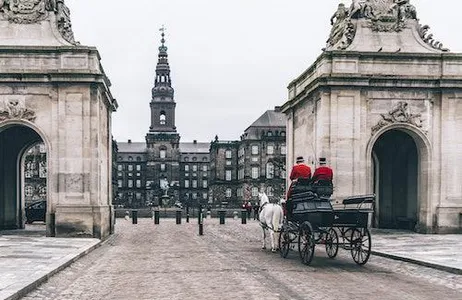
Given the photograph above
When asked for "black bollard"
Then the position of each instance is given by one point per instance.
(134, 216)
(178, 216)
(222, 214)
(156, 216)
(244, 216)
(187, 214)
(200, 220)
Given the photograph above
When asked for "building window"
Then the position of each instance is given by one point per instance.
(138, 174)
(119, 183)
(270, 149)
(119, 167)
(194, 184)
(194, 195)
(283, 149)
(138, 196)
(130, 168)
(119, 174)
(270, 133)
(204, 168)
(162, 118)
(186, 183)
(255, 150)
(29, 191)
(186, 158)
(130, 183)
(228, 154)
(204, 196)
(194, 168)
(283, 174)
(228, 163)
(163, 153)
(186, 168)
(228, 175)
(138, 167)
(162, 167)
(269, 170)
(138, 158)
(283, 133)
(269, 191)
(228, 193)
(204, 184)
(255, 172)
(138, 183)
(130, 158)
(255, 159)
(254, 192)
(194, 158)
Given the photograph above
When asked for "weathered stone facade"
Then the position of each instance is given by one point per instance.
(383, 103)
(56, 92)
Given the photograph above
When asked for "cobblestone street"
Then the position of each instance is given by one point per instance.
(169, 261)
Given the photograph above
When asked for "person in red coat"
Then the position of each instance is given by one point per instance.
(300, 170)
(323, 172)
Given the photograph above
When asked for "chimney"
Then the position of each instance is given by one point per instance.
(195, 142)
(277, 109)
(129, 141)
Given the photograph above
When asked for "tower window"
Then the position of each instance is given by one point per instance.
(162, 118)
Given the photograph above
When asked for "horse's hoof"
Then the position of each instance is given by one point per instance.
(274, 250)
(263, 248)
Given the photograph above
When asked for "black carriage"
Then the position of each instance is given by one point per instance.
(311, 219)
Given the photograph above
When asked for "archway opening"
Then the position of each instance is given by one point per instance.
(396, 180)
(15, 143)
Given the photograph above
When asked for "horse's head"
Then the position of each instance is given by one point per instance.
(263, 198)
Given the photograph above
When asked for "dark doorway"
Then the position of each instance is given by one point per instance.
(15, 140)
(396, 168)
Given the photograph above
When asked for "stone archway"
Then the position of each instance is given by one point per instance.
(399, 164)
(15, 140)
(396, 180)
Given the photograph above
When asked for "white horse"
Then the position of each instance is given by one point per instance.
(271, 218)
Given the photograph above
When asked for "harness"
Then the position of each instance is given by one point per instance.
(263, 225)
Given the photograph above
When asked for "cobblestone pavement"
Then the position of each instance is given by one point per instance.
(169, 261)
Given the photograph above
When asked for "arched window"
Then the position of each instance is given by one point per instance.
(269, 170)
(162, 118)
(162, 152)
(270, 133)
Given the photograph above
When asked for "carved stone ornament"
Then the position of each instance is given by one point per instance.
(34, 11)
(14, 109)
(383, 16)
(399, 114)
(428, 38)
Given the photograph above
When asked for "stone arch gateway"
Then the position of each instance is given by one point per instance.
(382, 74)
(53, 89)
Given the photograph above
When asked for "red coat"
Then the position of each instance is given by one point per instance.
(300, 171)
(323, 173)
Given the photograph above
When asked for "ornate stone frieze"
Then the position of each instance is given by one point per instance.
(14, 109)
(399, 114)
(34, 11)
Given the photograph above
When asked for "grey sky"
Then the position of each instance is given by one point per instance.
(231, 60)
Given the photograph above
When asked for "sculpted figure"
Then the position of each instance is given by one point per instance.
(405, 10)
(51, 5)
(361, 9)
(337, 21)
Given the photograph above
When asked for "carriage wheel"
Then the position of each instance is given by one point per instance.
(284, 242)
(306, 243)
(360, 245)
(331, 243)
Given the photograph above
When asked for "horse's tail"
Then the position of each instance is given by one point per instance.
(277, 217)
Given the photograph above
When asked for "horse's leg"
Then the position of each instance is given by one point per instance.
(264, 238)
(273, 248)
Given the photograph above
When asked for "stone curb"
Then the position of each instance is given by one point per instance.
(29, 288)
(419, 262)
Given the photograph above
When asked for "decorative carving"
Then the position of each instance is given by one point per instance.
(16, 110)
(339, 23)
(64, 21)
(34, 11)
(400, 114)
(423, 30)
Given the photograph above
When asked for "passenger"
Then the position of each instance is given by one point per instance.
(299, 170)
(323, 172)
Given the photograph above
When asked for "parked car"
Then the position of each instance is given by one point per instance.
(179, 205)
(36, 211)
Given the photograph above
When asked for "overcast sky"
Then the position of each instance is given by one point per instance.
(231, 60)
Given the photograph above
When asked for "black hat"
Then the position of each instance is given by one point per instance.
(322, 160)
(300, 159)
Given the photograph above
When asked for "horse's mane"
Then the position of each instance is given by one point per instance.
(264, 198)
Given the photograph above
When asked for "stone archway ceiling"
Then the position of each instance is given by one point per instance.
(380, 26)
(29, 12)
